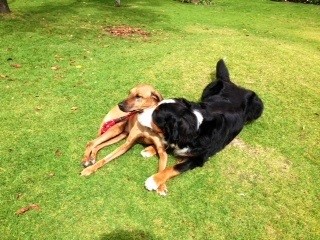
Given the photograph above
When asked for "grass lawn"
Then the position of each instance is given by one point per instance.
(61, 71)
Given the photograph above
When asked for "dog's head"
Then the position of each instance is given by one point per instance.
(140, 97)
(177, 121)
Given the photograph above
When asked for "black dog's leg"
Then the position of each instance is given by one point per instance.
(153, 182)
(189, 164)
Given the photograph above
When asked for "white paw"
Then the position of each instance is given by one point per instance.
(86, 164)
(162, 192)
(145, 154)
(151, 184)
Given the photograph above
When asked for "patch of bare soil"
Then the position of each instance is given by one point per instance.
(126, 31)
(274, 160)
(237, 142)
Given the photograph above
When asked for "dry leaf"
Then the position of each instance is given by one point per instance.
(28, 208)
(16, 65)
(58, 153)
(55, 67)
(126, 31)
(19, 196)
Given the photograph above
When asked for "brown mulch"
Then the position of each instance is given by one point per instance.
(126, 31)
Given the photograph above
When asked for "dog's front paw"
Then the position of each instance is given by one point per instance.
(87, 171)
(146, 154)
(89, 162)
(162, 190)
(151, 184)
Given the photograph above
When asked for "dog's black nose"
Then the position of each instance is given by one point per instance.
(121, 105)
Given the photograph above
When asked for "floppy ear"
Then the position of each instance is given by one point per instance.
(171, 129)
(175, 131)
(157, 96)
(187, 127)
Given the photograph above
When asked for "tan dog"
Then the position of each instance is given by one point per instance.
(141, 98)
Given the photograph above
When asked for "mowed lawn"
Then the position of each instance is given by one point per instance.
(62, 69)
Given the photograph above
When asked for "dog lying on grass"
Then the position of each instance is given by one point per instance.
(195, 131)
(140, 100)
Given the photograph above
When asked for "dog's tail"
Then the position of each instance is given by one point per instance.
(222, 72)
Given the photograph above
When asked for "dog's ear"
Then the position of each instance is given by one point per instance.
(167, 122)
(175, 131)
(170, 126)
(157, 96)
(187, 126)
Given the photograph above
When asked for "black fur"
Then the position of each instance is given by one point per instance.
(225, 107)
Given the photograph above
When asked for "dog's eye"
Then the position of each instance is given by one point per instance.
(138, 97)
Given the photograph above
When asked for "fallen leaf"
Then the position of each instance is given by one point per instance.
(22, 210)
(38, 109)
(35, 206)
(28, 208)
(55, 67)
(58, 58)
(126, 31)
(58, 153)
(19, 196)
(16, 65)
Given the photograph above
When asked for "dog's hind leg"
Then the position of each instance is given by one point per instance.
(151, 150)
(116, 153)
(116, 139)
(148, 151)
(110, 134)
(160, 178)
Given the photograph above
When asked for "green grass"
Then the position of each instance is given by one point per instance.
(266, 186)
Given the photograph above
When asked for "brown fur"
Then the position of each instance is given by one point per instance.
(139, 98)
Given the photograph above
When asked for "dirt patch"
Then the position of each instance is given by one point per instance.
(237, 142)
(273, 159)
(126, 31)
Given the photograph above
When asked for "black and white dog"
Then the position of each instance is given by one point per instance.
(198, 130)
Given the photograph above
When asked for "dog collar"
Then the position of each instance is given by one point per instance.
(105, 127)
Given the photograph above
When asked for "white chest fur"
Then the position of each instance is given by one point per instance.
(145, 118)
(199, 117)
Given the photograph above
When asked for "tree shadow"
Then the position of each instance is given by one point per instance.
(131, 12)
(129, 235)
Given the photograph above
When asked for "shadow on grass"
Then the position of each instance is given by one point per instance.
(129, 235)
(72, 14)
